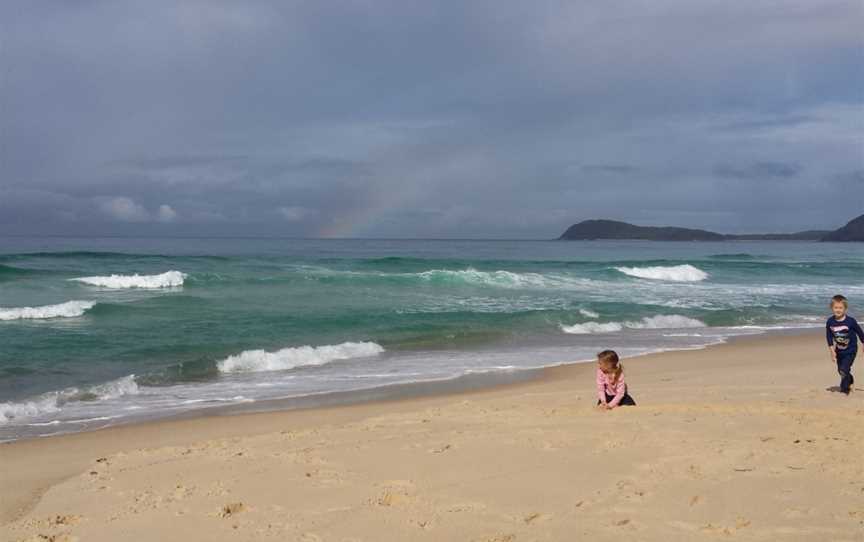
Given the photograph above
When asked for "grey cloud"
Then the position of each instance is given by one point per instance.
(609, 168)
(759, 171)
(853, 177)
(419, 119)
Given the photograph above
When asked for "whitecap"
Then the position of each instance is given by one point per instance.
(69, 309)
(592, 327)
(675, 273)
(169, 279)
(301, 356)
(672, 321)
(662, 321)
(500, 278)
(54, 401)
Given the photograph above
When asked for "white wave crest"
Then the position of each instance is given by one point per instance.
(52, 402)
(589, 328)
(169, 279)
(588, 313)
(115, 388)
(500, 278)
(28, 409)
(671, 321)
(302, 356)
(69, 309)
(675, 273)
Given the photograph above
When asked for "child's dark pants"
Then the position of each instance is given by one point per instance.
(625, 401)
(844, 367)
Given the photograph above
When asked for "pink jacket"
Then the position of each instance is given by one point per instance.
(606, 387)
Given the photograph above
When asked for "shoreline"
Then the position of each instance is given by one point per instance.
(78, 448)
(466, 382)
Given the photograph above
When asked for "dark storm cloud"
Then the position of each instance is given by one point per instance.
(501, 119)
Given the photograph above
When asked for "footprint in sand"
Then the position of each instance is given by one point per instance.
(466, 507)
(716, 529)
(394, 493)
(181, 492)
(62, 520)
(536, 517)
(232, 509)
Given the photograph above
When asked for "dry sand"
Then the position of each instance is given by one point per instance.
(739, 441)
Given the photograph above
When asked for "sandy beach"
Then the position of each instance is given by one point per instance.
(739, 441)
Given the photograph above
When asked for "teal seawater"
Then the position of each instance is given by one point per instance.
(374, 312)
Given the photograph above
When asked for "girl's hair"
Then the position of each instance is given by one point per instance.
(609, 363)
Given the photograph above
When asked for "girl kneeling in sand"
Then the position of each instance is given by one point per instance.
(611, 388)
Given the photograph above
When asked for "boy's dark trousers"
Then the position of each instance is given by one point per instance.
(844, 367)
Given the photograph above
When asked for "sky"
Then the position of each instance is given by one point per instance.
(434, 118)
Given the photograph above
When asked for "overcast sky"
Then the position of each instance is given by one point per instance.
(436, 118)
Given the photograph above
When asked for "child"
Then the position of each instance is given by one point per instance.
(842, 332)
(611, 388)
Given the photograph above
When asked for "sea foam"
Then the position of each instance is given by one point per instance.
(301, 356)
(592, 327)
(671, 321)
(169, 279)
(52, 402)
(675, 273)
(69, 309)
(471, 276)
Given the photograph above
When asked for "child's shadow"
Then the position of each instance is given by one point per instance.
(836, 389)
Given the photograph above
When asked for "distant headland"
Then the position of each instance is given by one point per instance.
(612, 229)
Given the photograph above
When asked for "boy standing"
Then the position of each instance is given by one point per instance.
(842, 332)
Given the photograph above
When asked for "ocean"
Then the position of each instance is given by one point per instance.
(96, 332)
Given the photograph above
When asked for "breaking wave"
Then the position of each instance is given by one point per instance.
(675, 273)
(52, 402)
(301, 356)
(169, 279)
(506, 279)
(592, 327)
(671, 321)
(69, 309)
